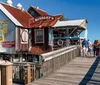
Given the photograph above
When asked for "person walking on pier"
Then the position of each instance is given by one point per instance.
(85, 46)
(89, 47)
(95, 44)
(98, 49)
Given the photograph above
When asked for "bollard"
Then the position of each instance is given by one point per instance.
(6, 73)
(27, 74)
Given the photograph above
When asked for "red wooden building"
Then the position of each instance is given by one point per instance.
(50, 32)
(17, 29)
(37, 32)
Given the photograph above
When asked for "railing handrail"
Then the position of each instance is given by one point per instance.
(47, 55)
(23, 63)
(56, 51)
(59, 54)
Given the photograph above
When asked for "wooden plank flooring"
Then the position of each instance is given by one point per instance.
(73, 73)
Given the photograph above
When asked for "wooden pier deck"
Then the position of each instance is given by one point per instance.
(80, 71)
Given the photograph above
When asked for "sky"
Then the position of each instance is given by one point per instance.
(71, 9)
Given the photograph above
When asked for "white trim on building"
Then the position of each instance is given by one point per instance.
(14, 20)
(16, 39)
(69, 23)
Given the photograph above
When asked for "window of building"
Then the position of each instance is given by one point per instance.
(39, 35)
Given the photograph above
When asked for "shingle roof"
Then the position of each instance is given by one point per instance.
(27, 21)
(22, 16)
(47, 22)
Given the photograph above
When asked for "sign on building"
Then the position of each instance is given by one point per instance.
(7, 34)
(24, 36)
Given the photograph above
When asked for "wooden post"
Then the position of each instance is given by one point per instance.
(28, 74)
(34, 72)
(6, 73)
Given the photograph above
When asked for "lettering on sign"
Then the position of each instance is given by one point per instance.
(3, 28)
(3, 25)
(8, 44)
(1, 35)
(44, 18)
(1, 38)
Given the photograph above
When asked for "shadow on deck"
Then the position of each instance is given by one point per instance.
(92, 77)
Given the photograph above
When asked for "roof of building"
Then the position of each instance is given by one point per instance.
(17, 16)
(36, 50)
(58, 16)
(46, 22)
(24, 19)
(39, 11)
(69, 23)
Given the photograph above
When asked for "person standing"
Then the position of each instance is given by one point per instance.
(95, 48)
(98, 49)
(85, 46)
(89, 47)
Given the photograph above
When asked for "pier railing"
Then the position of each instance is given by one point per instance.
(25, 72)
(55, 59)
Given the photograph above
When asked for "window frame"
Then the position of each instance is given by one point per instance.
(36, 35)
